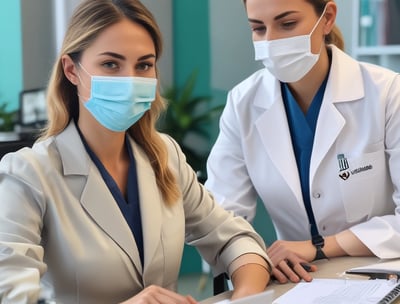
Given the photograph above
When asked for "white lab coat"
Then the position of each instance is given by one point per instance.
(358, 126)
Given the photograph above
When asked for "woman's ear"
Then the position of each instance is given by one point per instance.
(70, 70)
(330, 17)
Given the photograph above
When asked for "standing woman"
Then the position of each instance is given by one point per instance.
(99, 209)
(316, 136)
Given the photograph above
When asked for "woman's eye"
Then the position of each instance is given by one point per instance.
(110, 65)
(144, 66)
(259, 29)
(288, 24)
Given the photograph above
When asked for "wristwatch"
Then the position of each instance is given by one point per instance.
(319, 242)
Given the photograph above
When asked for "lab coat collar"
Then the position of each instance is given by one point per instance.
(345, 81)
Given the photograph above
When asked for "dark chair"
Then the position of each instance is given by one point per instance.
(220, 284)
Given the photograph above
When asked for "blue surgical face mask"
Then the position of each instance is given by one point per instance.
(119, 102)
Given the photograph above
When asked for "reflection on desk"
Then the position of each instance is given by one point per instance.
(330, 269)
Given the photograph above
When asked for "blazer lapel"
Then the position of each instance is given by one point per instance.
(150, 208)
(100, 204)
(95, 198)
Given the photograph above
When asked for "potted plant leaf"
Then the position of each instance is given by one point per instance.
(7, 121)
(187, 120)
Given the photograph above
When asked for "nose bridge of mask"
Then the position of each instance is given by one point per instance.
(109, 88)
(265, 49)
(143, 88)
(121, 88)
(140, 89)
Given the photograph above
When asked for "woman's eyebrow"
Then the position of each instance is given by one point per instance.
(147, 57)
(280, 16)
(112, 54)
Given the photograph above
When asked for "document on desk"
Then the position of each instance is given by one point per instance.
(343, 291)
(385, 268)
(259, 298)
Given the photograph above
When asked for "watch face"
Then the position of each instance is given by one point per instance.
(318, 240)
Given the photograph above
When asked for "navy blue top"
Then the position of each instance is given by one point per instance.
(130, 206)
(302, 129)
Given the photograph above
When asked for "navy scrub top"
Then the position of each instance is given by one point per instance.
(302, 129)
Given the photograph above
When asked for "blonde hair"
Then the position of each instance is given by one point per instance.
(335, 36)
(90, 18)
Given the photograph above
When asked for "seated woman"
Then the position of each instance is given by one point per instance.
(99, 209)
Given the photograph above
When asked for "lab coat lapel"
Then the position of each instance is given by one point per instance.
(330, 123)
(150, 200)
(339, 89)
(275, 135)
(96, 199)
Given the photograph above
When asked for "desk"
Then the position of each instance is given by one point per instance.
(327, 269)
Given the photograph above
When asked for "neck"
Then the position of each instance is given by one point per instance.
(108, 146)
(305, 89)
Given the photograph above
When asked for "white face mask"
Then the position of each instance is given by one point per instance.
(288, 59)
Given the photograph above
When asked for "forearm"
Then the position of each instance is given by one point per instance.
(350, 245)
(345, 243)
(251, 276)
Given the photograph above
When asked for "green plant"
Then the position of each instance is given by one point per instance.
(6, 119)
(189, 116)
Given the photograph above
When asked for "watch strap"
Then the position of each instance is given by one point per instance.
(319, 243)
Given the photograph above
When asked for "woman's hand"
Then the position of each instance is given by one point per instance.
(291, 260)
(157, 295)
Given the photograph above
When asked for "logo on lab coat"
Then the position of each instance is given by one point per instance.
(343, 167)
(344, 172)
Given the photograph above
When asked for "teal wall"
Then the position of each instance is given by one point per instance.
(10, 53)
(191, 43)
(191, 32)
(191, 52)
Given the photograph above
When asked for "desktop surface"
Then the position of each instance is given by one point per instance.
(327, 269)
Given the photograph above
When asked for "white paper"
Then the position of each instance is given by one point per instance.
(226, 301)
(259, 298)
(334, 291)
(387, 266)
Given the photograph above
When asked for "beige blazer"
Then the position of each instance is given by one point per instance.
(63, 235)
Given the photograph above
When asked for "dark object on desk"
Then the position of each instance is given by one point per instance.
(220, 284)
(32, 116)
(33, 108)
(32, 113)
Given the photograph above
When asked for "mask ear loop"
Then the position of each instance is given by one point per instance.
(315, 26)
(82, 83)
(312, 31)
